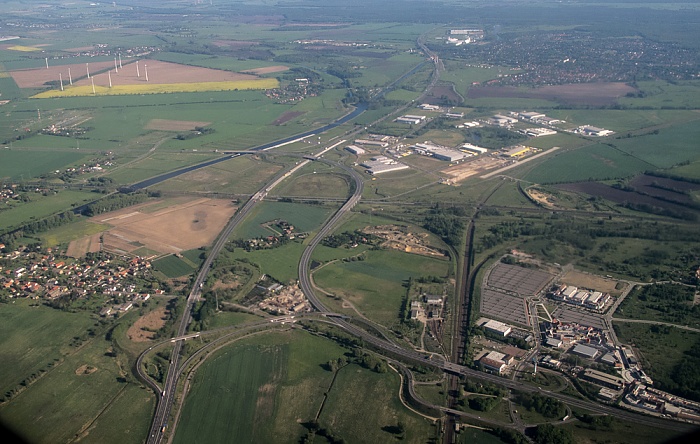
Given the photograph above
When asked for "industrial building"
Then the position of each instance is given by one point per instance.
(585, 351)
(553, 342)
(593, 131)
(356, 150)
(379, 143)
(491, 365)
(517, 151)
(500, 120)
(428, 107)
(454, 115)
(382, 164)
(603, 379)
(410, 118)
(495, 361)
(497, 328)
(539, 132)
(529, 115)
(440, 152)
(474, 148)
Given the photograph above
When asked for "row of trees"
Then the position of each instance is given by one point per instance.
(114, 202)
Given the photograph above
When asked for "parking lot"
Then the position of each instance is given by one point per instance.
(568, 315)
(524, 281)
(503, 306)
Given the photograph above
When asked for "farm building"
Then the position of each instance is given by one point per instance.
(585, 351)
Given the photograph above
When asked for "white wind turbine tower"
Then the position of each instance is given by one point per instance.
(116, 69)
(109, 74)
(47, 63)
(93, 85)
(138, 74)
(87, 68)
(70, 78)
(60, 79)
(120, 59)
(145, 67)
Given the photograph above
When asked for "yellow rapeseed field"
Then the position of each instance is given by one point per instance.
(23, 48)
(159, 88)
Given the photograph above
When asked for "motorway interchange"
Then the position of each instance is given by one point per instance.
(391, 351)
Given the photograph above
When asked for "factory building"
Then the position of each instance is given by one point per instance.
(529, 115)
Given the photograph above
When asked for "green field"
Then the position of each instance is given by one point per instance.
(376, 285)
(379, 396)
(305, 218)
(65, 401)
(41, 206)
(594, 162)
(172, 266)
(67, 233)
(265, 388)
(241, 175)
(281, 263)
(16, 164)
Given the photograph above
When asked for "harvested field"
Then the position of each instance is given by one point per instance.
(162, 73)
(590, 281)
(667, 189)
(174, 125)
(182, 226)
(622, 196)
(287, 116)
(88, 244)
(37, 77)
(145, 327)
(267, 70)
(234, 43)
(593, 94)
